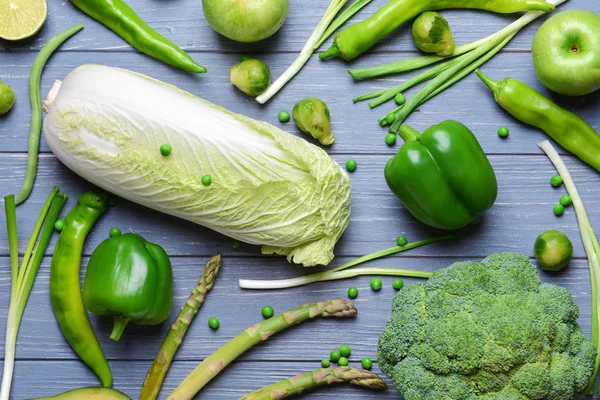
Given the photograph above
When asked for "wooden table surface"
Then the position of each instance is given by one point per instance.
(45, 363)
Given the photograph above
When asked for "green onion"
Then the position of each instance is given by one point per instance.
(22, 277)
(590, 243)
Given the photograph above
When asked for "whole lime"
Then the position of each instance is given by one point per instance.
(553, 250)
(7, 98)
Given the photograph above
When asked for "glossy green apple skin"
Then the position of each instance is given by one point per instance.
(566, 52)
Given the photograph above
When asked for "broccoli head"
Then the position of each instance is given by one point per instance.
(490, 330)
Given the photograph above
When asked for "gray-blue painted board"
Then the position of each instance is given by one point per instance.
(45, 363)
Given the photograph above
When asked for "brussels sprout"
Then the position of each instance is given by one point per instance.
(312, 116)
(432, 34)
(251, 76)
(553, 250)
(7, 98)
(245, 21)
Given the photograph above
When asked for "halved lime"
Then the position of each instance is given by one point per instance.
(20, 19)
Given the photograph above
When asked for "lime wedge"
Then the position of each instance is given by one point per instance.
(20, 19)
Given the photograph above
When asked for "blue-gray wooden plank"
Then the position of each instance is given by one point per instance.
(45, 363)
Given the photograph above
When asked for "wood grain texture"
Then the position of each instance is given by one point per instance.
(45, 363)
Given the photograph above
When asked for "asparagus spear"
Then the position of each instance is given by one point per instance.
(215, 363)
(174, 338)
(300, 383)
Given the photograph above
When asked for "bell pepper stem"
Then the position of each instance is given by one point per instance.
(409, 134)
(490, 83)
(119, 327)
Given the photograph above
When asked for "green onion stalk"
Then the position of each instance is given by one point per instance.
(322, 32)
(22, 277)
(592, 249)
(342, 273)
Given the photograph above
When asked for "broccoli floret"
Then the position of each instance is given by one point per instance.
(486, 331)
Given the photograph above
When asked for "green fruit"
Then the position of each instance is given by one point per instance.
(20, 19)
(245, 21)
(7, 98)
(566, 52)
(553, 250)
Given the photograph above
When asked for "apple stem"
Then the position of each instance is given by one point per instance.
(492, 84)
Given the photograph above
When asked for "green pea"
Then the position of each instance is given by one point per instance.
(213, 323)
(400, 99)
(376, 284)
(283, 116)
(559, 209)
(503, 132)
(401, 241)
(165, 150)
(267, 311)
(206, 179)
(114, 232)
(367, 363)
(325, 363)
(566, 200)
(353, 292)
(345, 350)
(390, 139)
(398, 284)
(556, 181)
(351, 165)
(343, 362)
(59, 225)
(335, 356)
(244, 57)
(235, 244)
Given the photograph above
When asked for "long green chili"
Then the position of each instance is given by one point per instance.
(35, 98)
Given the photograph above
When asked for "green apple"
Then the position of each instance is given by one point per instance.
(566, 52)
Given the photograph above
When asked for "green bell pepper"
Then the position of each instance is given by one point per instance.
(130, 279)
(442, 176)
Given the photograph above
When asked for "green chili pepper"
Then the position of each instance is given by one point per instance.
(358, 38)
(129, 279)
(442, 176)
(35, 98)
(531, 107)
(123, 20)
(65, 288)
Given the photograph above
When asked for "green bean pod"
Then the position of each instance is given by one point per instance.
(531, 107)
(65, 286)
(123, 20)
(358, 38)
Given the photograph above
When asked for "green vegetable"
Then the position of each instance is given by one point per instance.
(398, 284)
(170, 345)
(335, 356)
(22, 277)
(345, 351)
(487, 329)
(35, 99)
(400, 99)
(366, 363)
(93, 128)
(558, 210)
(165, 150)
(120, 18)
(340, 273)
(533, 108)
(206, 179)
(503, 132)
(283, 116)
(556, 181)
(401, 241)
(353, 292)
(358, 38)
(252, 76)
(376, 284)
(129, 279)
(442, 176)
(7, 98)
(89, 393)
(301, 383)
(343, 362)
(432, 34)
(566, 200)
(220, 359)
(351, 165)
(235, 244)
(326, 27)
(325, 363)
(59, 225)
(592, 249)
(390, 139)
(214, 323)
(312, 116)
(244, 57)
(114, 232)
(65, 287)
(245, 21)
(553, 250)
(267, 312)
